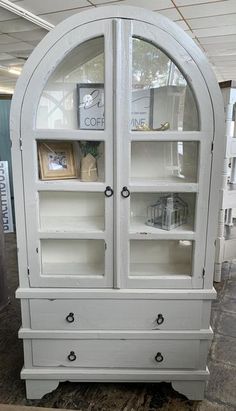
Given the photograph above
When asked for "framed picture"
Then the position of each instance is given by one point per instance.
(56, 160)
(90, 111)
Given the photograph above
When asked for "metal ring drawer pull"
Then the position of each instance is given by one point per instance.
(108, 192)
(71, 356)
(160, 319)
(159, 357)
(70, 318)
(125, 192)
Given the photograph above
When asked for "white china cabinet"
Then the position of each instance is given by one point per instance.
(116, 128)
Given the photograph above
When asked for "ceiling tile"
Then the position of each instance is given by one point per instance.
(215, 31)
(191, 2)
(33, 35)
(172, 14)
(19, 24)
(5, 56)
(15, 47)
(215, 21)
(182, 24)
(224, 59)
(56, 18)
(6, 15)
(209, 9)
(150, 4)
(105, 2)
(4, 39)
(216, 50)
(219, 39)
(45, 6)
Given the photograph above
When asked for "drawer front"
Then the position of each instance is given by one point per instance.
(98, 314)
(106, 353)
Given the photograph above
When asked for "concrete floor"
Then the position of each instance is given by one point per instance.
(220, 392)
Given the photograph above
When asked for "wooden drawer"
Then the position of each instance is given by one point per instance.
(105, 314)
(116, 353)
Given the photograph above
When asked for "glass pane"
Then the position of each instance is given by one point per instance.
(158, 258)
(80, 160)
(73, 257)
(74, 95)
(71, 211)
(161, 97)
(169, 161)
(154, 212)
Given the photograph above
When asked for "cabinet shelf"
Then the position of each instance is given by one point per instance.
(70, 268)
(70, 185)
(172, 184)
(158, 269)
(138, 226)
(62, 224)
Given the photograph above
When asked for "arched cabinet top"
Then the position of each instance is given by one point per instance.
(99, 23)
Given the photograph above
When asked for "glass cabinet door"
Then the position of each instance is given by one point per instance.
(165, 166)
(70, 146)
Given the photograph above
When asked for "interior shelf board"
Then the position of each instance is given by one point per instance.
(70, 185)
(163, 184)
(159, 269)
(73, 268)
(73, 224)
(138, 226)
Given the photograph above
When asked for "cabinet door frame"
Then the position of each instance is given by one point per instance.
(33, 186)
(125, 136)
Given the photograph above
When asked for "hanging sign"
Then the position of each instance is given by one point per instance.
(90, 106)
(5, 197)
(141, 109)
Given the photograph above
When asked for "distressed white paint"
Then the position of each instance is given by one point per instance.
(45, 348)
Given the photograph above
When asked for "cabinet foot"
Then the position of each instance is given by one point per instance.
(193, 390)
(36, 389)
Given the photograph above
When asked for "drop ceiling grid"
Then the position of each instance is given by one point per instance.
(211, 24)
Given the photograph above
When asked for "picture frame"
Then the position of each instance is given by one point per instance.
(90, 108)
(56, 160)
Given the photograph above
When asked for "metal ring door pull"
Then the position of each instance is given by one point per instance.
(70, 318)
(108, 192)
(71, 356)
(159, 357)
(160, 319)
(125, 192)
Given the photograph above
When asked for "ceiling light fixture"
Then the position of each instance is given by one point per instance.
(13, 70)
(6, 90)
(8, 5)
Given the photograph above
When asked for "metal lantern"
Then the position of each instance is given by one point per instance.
(168, 212)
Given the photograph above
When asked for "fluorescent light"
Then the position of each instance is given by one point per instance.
(8, 5)
(13, 70)
(6, 90)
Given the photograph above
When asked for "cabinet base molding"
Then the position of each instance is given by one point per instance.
(36, 389)
(42, 381)
(193, 390)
